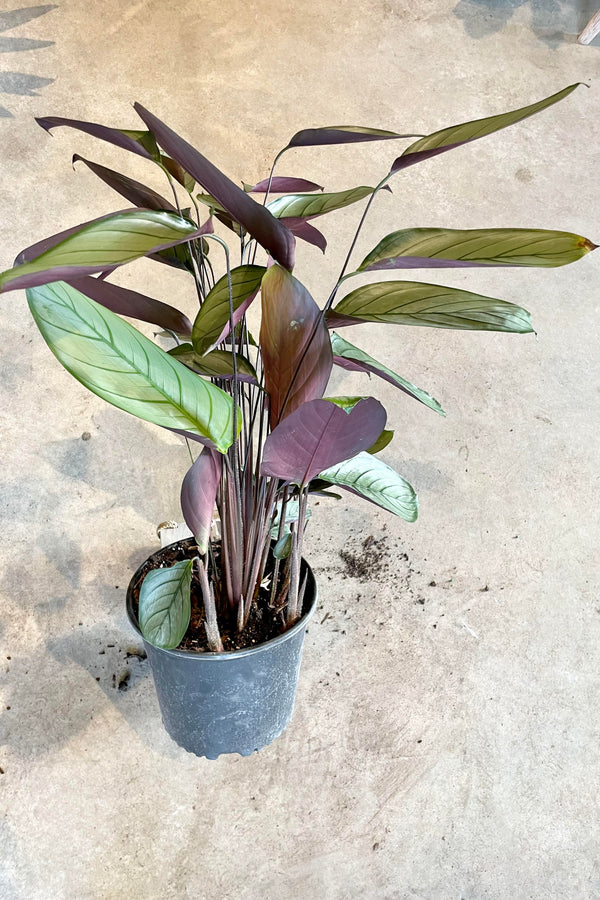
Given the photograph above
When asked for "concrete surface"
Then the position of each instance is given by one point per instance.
(446, 737)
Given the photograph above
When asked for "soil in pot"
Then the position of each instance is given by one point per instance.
(264, 624)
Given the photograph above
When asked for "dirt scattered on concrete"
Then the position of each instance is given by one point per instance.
(372, 560)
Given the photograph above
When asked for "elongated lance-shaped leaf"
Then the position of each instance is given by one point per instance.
(282, 184)
(372, 479)
(111, 358)
(305, 231)
(437, 248)
(354, 359)
(309, 206)
(456, 135)
(320, 434)
(137, 193)
(216, 364)
(212, 322)
(256, 219)
(295, 345)
(198, 495)
(177, 256)
(415, 303)
(165, 604)
(140, 142)
(342, 134)
(35, 250)
(126, 302)
(107, 242)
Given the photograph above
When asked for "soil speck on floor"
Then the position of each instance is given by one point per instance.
(370, 562)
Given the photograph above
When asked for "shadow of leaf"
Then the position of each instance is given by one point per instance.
(18, 45)
(21, 84)
(14, 17)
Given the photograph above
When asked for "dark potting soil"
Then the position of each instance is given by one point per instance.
(264, 622)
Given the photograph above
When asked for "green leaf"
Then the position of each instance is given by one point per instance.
(445, 247)
(110, 241)
(283, 547)
(145, 139)
(345, 403)
(344, 350)
(415, 303)
(372, 479)
(216, 364)
(178, 173)
(165, 606)
(308, 206)
(382, 441)
(213, 318)
(111, 358)
(448, 138)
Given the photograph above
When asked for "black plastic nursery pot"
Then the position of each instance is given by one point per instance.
(231, 702)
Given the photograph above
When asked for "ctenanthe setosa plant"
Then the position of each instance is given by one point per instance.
(255, 407)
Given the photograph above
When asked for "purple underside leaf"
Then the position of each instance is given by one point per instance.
(134, 191)
(281, 184)
(198, 494)
(252, 216)
(342, 134)
(457, 135)
(318, 435)
(305, 231)
(295, 344)
(334, 319)
(197, 438)
(126, 302)
(111, 135)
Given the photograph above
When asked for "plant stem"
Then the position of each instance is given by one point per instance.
(280, 530)
(211, 624)
(293, 610)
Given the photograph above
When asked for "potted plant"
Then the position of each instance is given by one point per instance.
(223, 614)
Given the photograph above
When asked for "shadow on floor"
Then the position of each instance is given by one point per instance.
(554, 22)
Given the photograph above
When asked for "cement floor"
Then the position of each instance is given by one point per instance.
(446, 737)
